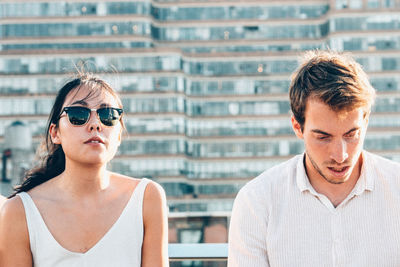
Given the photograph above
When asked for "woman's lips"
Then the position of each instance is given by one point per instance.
(94, 140)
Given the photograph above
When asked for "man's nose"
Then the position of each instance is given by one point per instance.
(339, 151)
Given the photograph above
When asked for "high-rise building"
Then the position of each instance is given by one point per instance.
(204, 83)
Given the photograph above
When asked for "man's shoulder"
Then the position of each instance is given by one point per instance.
(271, 178)
(382, 164)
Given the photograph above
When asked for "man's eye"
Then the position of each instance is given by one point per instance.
(322, 137)
(351, 135)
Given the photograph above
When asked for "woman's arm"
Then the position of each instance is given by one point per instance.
(14, 237)
(155, 219)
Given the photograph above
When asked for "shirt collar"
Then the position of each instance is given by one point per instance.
(301, 177)
(367, 176)
(366, 181)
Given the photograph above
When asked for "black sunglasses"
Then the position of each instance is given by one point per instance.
(80, 115)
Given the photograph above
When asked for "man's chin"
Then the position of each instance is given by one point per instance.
(337, 177)
(335, 180)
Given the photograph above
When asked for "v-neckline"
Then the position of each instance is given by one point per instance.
(100, 241)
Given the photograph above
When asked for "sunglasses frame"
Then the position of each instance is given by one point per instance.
(65, 109)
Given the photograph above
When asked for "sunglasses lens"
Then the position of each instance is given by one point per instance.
(109, 116)
(78, 115)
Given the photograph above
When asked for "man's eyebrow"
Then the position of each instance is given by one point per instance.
(352, 130)
(325, 133)
(320, 132)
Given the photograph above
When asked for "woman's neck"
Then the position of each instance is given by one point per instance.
(79, 179)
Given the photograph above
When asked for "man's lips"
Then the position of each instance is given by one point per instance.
(339, 171)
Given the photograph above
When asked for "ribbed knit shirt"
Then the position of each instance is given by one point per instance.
(278, 219)
(120, 246)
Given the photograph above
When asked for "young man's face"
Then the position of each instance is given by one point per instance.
(333, 141)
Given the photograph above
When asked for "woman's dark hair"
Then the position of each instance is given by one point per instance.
(52, 157)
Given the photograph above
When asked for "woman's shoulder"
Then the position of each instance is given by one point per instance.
(154, 203)
(14, 236)
(123, 182)
(45, 189)
(12, 207)
(12, 215)
(154, 193)
(153, 189)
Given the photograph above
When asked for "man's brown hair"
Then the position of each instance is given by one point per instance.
(334, 78)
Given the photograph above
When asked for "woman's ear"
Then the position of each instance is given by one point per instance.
(297, 128)
(54, 134)
(120, 136)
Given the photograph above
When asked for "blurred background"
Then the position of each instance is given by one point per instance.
(204, 86)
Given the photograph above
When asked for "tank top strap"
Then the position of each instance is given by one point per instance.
(142, 185)
(132, 217)
(138, 194)
(34, 219)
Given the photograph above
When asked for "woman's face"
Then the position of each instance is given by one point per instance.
(92, 143)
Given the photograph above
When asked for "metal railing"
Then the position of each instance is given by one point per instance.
(203, 252)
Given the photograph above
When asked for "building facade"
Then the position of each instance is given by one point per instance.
(204, 84)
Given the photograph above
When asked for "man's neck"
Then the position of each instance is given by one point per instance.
(336, 193)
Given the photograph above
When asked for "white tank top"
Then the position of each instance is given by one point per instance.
(120, 246)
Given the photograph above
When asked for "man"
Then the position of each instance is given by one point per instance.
(334, 205)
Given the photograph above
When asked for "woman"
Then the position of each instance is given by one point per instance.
(2, 200)
(72, 211)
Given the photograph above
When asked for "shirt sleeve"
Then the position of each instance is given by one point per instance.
(248, 232)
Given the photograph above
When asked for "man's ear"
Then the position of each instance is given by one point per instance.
(366, 118)
(297, 128)
(54, 134)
